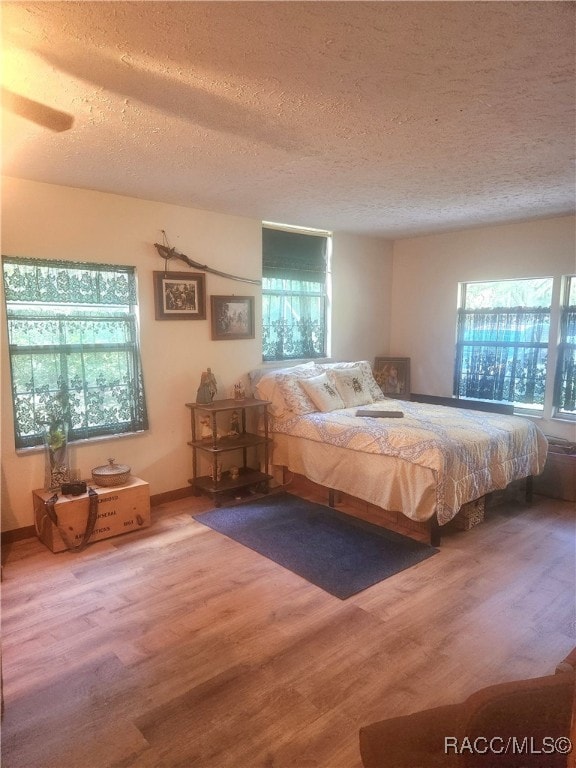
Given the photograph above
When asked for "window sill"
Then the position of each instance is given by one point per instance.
(565, 419)
(542, 417)
(88, 441)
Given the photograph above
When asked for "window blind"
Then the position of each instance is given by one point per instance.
(293, 255)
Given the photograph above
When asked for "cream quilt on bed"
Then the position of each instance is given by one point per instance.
(469, 453)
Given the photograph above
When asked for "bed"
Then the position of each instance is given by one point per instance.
(425, 463)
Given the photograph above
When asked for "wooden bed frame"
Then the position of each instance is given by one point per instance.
(453, 402)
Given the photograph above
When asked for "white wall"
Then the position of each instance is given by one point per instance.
(361, 293)
(426, 273)
(46, 221)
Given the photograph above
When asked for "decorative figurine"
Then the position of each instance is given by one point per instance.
(207, 388)
(205, 428)
(239, 392)
(234, 424)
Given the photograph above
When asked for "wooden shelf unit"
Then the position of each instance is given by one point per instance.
(216, 445)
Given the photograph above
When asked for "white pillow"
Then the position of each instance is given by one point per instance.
(351, 385)
(322, 392)
(368, 376)
(271, 393)
(295, 398)
(266, 384)
(267, 371)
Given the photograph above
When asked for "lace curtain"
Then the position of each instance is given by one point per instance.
(293, 320)
(73, 348)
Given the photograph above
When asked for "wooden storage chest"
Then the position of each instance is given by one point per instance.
(120, 509)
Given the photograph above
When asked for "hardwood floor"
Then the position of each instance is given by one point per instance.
(175, 647)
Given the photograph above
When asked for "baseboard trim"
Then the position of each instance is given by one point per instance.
(28, 531)
(167, 496)
(18, 534)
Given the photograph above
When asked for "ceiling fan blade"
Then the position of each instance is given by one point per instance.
(38, 113)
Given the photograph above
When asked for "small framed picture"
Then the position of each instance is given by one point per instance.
(393, 375)
(232, 317)
(180, 295)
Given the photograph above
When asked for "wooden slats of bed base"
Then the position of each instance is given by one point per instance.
(379, 516)
(430, 529)
(425, 531)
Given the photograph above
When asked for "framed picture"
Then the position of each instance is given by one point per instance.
(180, 295)
(393, 375)
(232, 317)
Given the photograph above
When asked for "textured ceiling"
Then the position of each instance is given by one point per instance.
(381, 118)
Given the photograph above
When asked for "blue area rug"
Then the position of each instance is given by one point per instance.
(338, 553)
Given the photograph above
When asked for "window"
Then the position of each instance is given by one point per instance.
(502, 341)
(73, 337)
(565, 390)
(294, 294)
